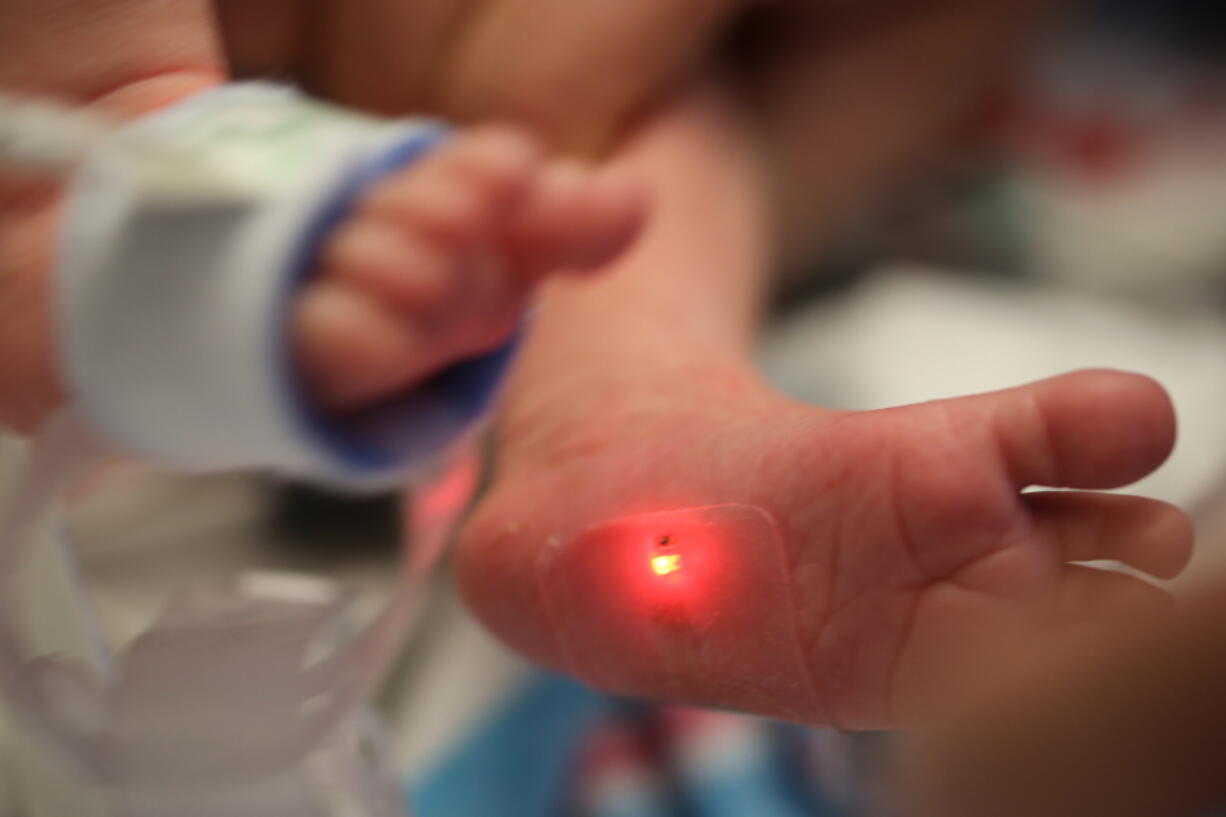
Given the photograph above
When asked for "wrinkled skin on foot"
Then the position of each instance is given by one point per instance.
(832, 567)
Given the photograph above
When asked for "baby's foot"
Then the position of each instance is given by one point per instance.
(438, 261)
(831, 564)
(436, 264)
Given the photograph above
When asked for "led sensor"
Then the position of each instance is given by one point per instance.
(665, 564)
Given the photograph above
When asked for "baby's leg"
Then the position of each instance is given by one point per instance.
(436, 263)
(663, 523)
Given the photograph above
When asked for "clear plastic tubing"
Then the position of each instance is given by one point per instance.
(185, 235)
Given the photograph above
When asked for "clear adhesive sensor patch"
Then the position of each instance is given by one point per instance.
(692, 603)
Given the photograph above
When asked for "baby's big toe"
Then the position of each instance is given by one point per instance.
(1089, 429)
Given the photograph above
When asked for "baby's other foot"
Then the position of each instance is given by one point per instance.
(438, 261)
(700, 537)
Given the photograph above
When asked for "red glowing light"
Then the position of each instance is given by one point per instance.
(665, 564)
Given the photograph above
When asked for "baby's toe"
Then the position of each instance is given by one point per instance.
(409, 275)
(1108, 597)
(498, 159)
(461, 191)
(1146, 534)
(576, 219)
(1090, 429)
(349, 349)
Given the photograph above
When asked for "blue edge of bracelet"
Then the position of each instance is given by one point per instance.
(415, 426)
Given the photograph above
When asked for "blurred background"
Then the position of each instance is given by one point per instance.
(1081, 222)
